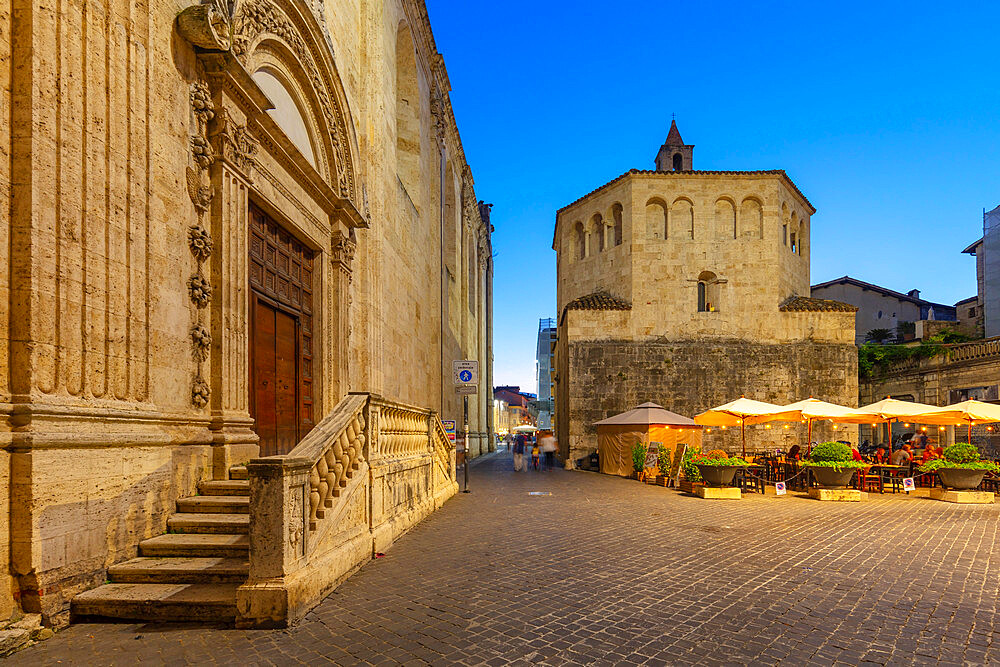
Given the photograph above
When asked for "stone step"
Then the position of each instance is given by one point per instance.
(201, 545)
(211, 522)
(147, 570)
(158, 602)
(231, 487)
(238, 472)
(215, 504)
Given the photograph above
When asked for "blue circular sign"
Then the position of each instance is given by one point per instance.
(465, 376)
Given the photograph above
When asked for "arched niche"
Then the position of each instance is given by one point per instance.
(656, 219)
(287, 112)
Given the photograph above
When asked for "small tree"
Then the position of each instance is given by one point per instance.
(639, 456)
(878, 335)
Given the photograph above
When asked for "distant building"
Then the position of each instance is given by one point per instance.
(513, 408)
(689, 288)
(883, 308)
(988, 261)
(543, 365)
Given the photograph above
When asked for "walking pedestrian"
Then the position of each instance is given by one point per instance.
(549, 450)
(519, 452)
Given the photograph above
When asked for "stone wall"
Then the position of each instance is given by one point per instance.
(602, 378)
(137, 142)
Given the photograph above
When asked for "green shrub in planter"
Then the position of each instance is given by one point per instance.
(691, 473)
(664, 461)
(638, 456)
(834, 455)
(960, 455)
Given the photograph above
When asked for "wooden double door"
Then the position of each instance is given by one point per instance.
(281, 335)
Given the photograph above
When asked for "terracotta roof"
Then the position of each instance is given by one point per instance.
(697, 172)
(595, 301)
(973, 247)
(794, 304)
(969, 300)
(598, 301)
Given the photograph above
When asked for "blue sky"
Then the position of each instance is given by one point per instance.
(886, 115)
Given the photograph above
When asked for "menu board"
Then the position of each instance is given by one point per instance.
(652, 455)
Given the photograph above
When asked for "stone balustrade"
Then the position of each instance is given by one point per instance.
(365, 474)
(976, 350)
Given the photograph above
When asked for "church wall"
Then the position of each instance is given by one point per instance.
(602, 374)
(100, 356)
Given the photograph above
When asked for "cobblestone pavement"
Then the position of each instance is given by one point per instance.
(610, 571)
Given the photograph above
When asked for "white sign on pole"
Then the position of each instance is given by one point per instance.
(779, 488)
(466, 372)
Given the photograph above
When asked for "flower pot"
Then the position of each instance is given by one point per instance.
(960, 478)
(717, 475)
(828, 477)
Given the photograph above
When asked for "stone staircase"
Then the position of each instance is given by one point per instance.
(191, 573)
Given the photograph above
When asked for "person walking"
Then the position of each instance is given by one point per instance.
(549, 450)
(519, 452)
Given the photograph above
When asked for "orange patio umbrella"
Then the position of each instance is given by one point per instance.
(969, 412)
(741, 412)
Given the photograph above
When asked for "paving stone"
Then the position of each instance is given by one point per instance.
(610, 571)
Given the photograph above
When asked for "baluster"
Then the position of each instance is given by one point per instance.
(323, 486)
(340, 456)
(313, 497)
(331, 477)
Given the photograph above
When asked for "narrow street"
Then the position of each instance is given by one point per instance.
(610, 571)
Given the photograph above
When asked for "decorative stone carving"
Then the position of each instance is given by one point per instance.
(202, 152)
(255, 17)
(438, 114)
(200, 194)
(201, 103)
(200, 392)
(343, 250)
(205, 26)
(237, 144)
(200, 242)
(201, 340)
(199, 290)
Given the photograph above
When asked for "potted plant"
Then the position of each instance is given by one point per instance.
(717, 467)
(961, 467)
(638, 459)
(833, 465)
(663, 463)
(689, 469)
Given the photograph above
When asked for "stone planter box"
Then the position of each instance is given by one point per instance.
(828, 477)
(717, 475)
(962, 479)
(688, 486)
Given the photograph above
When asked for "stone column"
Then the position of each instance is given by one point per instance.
(229, 377)
(342, 249)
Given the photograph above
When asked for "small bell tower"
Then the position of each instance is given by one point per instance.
(674, 154)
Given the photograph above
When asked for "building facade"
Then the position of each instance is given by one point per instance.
(544, 353)
(690, 288)
(882, 309)
(220, 220)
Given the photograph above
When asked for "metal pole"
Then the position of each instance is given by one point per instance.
(465, 412)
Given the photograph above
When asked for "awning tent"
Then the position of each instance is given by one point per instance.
(647, 423)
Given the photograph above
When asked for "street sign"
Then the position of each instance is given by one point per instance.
(449, 428)
(466, 372)
(467, 389)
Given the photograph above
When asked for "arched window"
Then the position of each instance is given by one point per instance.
(452, 225)
(656, 219)
(407, 115)
(708, 292)
(597, 227)
(286, 113)
(581, 241)
(682, 219)
(802, 234)
(751, 219)
(794, 232)
(616, 214)
(784, 224)
(678, 162)
(725, 219)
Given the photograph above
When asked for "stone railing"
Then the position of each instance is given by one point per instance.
(981, 349)
(366, 473)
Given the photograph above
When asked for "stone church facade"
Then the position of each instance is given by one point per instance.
(691, 288)
(222, 224)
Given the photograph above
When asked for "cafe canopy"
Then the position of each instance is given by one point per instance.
(741, 412)
(646, 423)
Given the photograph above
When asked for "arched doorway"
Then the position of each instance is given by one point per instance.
(281, 335)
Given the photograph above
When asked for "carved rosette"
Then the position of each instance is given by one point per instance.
(201, 192)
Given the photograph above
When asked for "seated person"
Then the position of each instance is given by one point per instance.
(901, 456)
(856, 455)
(880, 456)
(930, 453)
(794, 453)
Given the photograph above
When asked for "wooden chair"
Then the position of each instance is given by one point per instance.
(867, 480)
